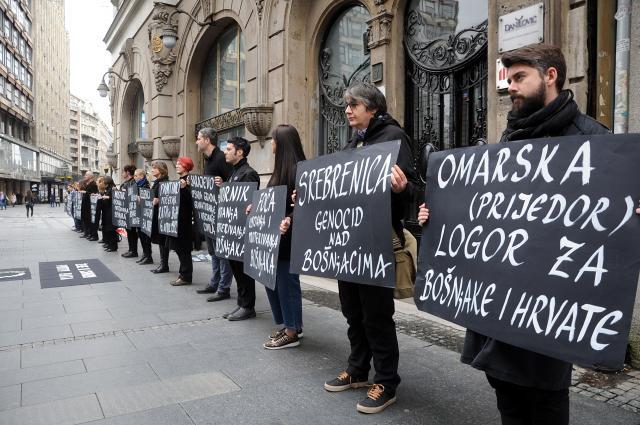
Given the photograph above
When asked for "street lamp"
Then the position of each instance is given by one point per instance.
(103, 89)
(168, 34)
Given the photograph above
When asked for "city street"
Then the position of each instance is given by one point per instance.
(140, 351)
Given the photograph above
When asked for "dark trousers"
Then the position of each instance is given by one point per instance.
(530, 406)
(110, 237)
(164, 256)
(93, 229)
(145, 241)
(186, 263)
(372, 332)
(132, 238)
(29, 207)
(246, 285)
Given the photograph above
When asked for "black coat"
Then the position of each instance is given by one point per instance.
(216, 165)
(156, 236)
(184, 241)
(106, 215)
(242, 172)
(85, 211)
(384, 128)
(498, 359)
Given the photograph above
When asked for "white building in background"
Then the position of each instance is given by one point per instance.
(90, 138)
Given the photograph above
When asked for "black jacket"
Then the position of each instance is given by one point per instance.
(498, 359)
(382, 129)
(242, 172)
(85, 212)
(216, 165)
(184, 240)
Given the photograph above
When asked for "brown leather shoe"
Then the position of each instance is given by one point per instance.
(180, 282)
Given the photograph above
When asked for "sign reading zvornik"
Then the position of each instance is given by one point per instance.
(535, 243)
(233, 199)
(342, 217)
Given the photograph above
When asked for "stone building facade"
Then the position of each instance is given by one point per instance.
(90, 139)
(264, 62)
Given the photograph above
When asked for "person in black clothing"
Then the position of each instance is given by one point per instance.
(132, 234)
(530, 388)
(369, 309)
(236, 154)
(160, 173)
(90, 229)
(140, 177)
(215, 165)
(182, 243)
(109, 235)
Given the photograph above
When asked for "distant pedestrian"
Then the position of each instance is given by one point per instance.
(13, 200)
(3, 201)
(28, 202)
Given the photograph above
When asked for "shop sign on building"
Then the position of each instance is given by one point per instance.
(521, 28)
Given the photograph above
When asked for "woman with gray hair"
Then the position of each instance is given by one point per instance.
(369, 309)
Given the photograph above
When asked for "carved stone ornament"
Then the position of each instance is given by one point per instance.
(206, 7)
(171, 145)
(258, 119)
(379, 30)
(127, 55)
(222, 122)
(112, 160)
(163, 59)
(260, 7)
(145, 148)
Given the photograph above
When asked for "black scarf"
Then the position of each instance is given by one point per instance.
(546, 122)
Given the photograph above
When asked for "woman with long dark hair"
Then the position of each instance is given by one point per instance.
(286, 298)
(109, 235)
(160, 173)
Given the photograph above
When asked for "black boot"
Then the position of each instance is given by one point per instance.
(164, 261)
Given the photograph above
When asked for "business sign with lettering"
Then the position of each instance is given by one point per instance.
(521, 28)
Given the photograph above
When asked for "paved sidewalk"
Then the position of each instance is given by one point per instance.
(140, 351)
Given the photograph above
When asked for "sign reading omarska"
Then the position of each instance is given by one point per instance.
(134, 206)
(262, 238)
(342, 218)
(146, 211)
(204, 193)
(119, 210)
(535, 244)
(233, 199)
(169, 207)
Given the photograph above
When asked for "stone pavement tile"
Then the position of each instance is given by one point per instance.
(95, 289)
(17, 376)
(54, 353)
(123, 312)
(10, 323)
(42, 309)
(166, 392)
(134, 322)
(166, 415)
(9, 360)
(10, 397)
(70, 411)
(189, 314)
(140, 356)
(8, 303)
(77, 305)
(35, 335)
(46, 390)
(65, 319)
(9, 293)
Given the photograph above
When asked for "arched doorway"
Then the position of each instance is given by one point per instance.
(343, 60)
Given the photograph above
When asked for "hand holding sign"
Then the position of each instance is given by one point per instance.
(398, 179)
(423, 214)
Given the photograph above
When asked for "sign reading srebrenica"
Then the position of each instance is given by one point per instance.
(134, 206)
(342, 218)
(146, 211)
(204, 193)
(535, 244)
(233, 199)
(169, 207)
(262, 238)
(119, 210)
(94, 206)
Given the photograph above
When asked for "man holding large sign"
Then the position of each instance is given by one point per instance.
(531, 244)
(366, 281)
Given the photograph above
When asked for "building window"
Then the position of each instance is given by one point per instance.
(223, 76)
(137, 117)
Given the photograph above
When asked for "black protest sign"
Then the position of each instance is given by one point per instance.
(119, 208)
(69, 204)
(94, 206)
(342, 217)
(233, 199)
(535, 244)
(262, 238)
(146, 211)
(133, 206)
(204, 193)
(169, 207)
(77, 210)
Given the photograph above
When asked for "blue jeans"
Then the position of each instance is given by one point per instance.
(286, 299)
(220, 268)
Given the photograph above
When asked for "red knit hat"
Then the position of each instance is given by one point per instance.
(186, 162)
